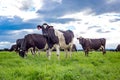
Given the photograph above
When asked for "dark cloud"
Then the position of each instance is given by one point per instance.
(82, 32)
(53, 9)
(113, 29)
(14, 23)
(63, 21)
(91, 27)
(115, 20)
(101, 31)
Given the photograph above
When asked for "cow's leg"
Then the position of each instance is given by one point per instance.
(66, 53)
(86, 52)
(58, 51)
(26, 52)
(70, 52)
(32, 51)
(49, 54)
(39, 52)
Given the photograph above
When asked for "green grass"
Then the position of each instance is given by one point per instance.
(78, 67)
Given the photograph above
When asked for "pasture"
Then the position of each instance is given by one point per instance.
(78, 67)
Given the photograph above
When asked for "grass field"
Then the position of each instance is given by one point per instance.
(78, 67)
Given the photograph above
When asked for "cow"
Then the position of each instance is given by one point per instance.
(18, 43)
(92, 44)
(32, 40)
(57, 39)
(16, 46)
(13, 47)
(117, 48)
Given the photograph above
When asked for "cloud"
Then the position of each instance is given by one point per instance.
(101, 31)
(5, 45)
(111, 1)
(91, 27)
(22, 8)
(115, 20)
(58, 20)
(13, 35)
(15, 23)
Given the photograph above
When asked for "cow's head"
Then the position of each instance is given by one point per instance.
(45, 28)
(81, 40)
(22, 53)
(22, 48)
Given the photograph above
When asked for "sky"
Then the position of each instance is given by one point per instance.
(86, 18)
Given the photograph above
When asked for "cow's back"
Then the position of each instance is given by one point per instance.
(68, 35)
(96, 43)
(37, 40)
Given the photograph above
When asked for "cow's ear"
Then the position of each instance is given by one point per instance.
(50, 27)
(39, 27)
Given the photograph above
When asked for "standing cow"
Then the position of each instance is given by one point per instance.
(34, 41)
(95, 44)
(57, 39)
(118, 48)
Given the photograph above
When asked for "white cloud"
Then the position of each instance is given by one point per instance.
(59, 1)
(111, 1)
(15, 8)
(5, 44)
(16, 34)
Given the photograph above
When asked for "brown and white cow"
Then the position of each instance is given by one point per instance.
(92, 44)
(57, 39)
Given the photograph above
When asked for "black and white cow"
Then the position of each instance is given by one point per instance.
(57, 39)
(92, 44)
(34, 41)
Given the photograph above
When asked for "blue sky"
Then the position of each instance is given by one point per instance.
(87, 18)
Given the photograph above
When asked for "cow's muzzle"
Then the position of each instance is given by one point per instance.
(22, 53)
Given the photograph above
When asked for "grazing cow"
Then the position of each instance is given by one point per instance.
(118, 48)
(32, 40)
(18, 43)
(16, 46)
(13, 47)
(57, 39)
(95, 44)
